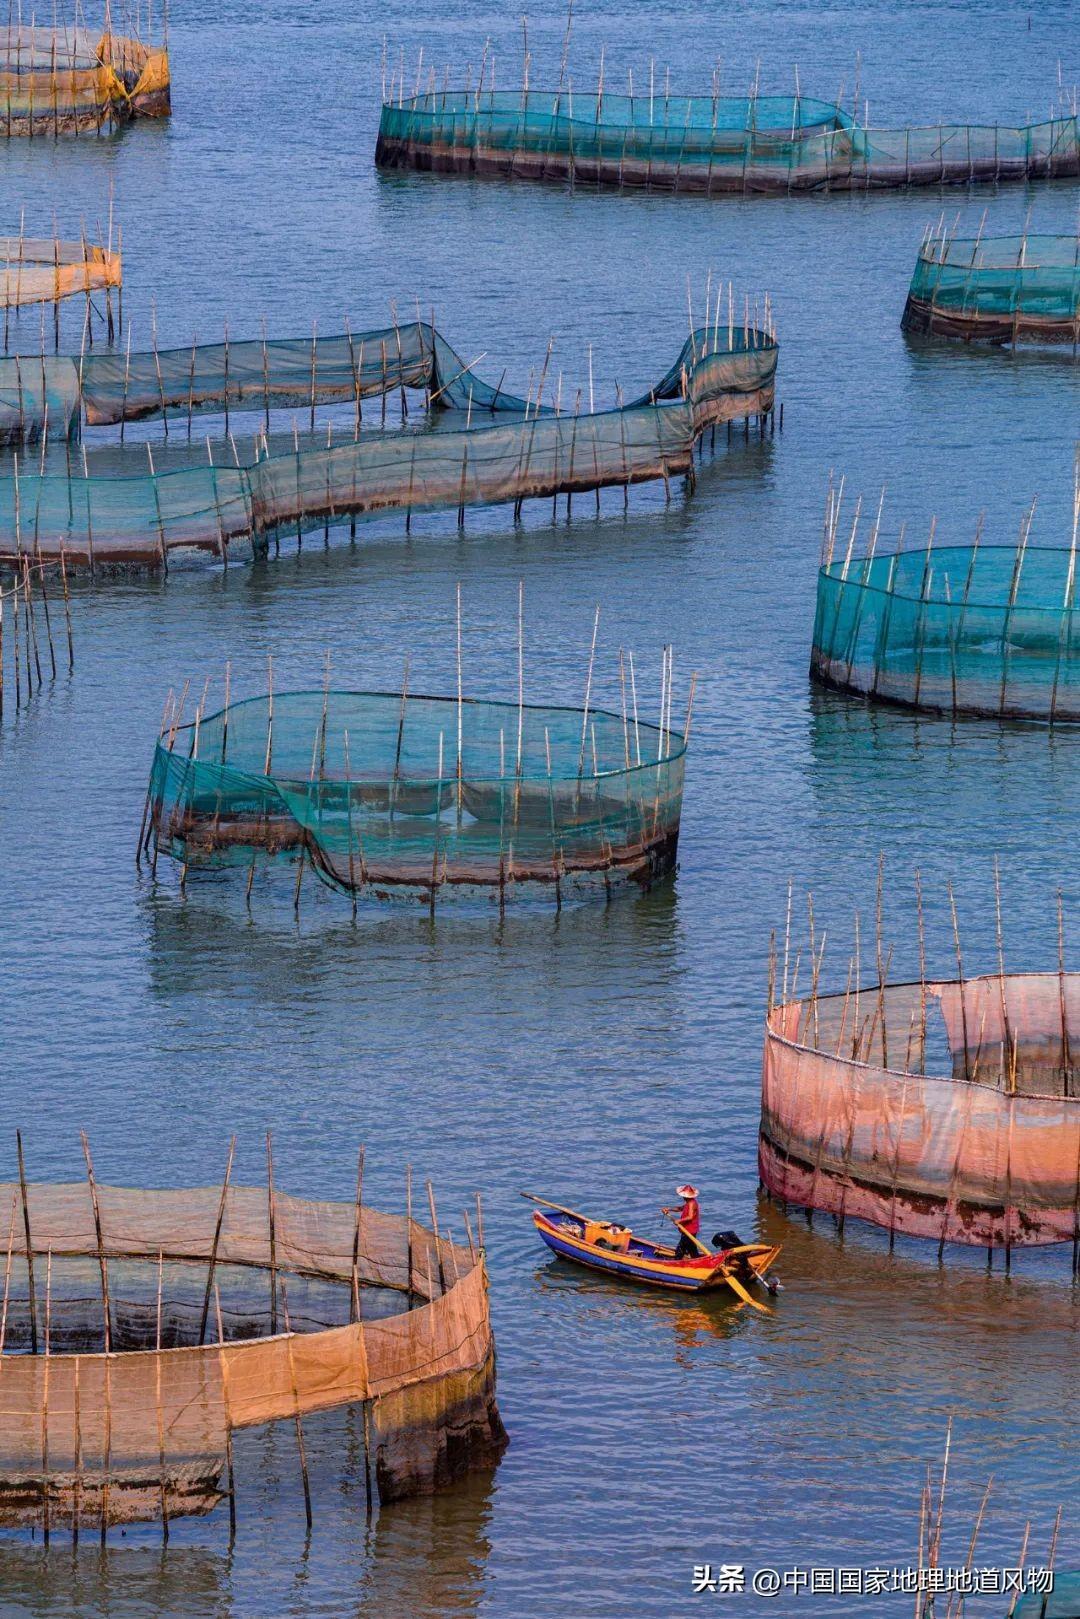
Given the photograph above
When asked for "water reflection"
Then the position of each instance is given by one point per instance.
(690, 1321)
(118, 1580)
(429, 1555)
(633, 939)
(424, 1559)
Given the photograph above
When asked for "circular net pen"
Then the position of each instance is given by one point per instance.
(396, 794)
(661, 140)
(957, 629)
(69, 80)
(141, 1329)
(948, 1110)
(997, 289)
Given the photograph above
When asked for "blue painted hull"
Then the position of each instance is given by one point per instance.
(616, 1265)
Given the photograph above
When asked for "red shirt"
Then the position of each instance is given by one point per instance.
(689, 1216)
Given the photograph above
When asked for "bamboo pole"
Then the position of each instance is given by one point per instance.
(357, 1232)
(435, 1232)
(408, 1232)
(216, 1240)
(588, 690)
(460, 708)
(880, 968)
(1066, 1057)
(67, 610)
(922, 970)
(157, 1401)
(271, 1216)
(45, 1400)
(7, 1273)
(787, 940)
(76, 1421)
(102, 1261)
(296, 1408)
(224, 1364)
(1008, 1051)
(960, 970)
(29, 1243)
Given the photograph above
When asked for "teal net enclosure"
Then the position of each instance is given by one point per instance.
(396, 794)
(959, 629)
(473, 445)
(997, 289)
(703, 143)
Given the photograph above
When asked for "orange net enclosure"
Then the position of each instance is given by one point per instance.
(986, 1151)
(119, 1396)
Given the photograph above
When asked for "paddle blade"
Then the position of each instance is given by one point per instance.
(737, 1287)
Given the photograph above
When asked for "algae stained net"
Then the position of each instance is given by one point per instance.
(704, 143)
(374, 790)
(505, 448)
(978, 629)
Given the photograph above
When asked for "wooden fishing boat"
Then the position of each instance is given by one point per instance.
(608, 1246)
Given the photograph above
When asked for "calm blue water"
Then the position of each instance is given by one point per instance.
(603, 1055)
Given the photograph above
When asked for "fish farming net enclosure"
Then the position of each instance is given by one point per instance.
(958, 629)
(496, 448)
(411, 795)
(68, 80)
(997, 289)
(985, 1151)
(34, 271)
(143, 1328)
(699, 143)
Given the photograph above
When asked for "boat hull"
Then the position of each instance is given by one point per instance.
(672, 1275)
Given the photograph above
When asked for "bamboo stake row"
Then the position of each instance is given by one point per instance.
(20, 604)
(855, 572)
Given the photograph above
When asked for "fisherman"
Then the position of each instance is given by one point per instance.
(689, 1218)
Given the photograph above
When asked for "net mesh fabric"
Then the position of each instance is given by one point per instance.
(986, 1154)
(368, 786)
(42, 271)
(985, 629)
(1003, 287)
(150, 1420)
(722, 372)
(68, 80)
(704, 143)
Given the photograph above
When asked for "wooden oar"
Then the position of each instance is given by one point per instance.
(731, 1280)
(701, 1248)
(737, 1287)
(545, 1203)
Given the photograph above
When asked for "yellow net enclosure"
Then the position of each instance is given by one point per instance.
(70, 80)
(36, 270)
